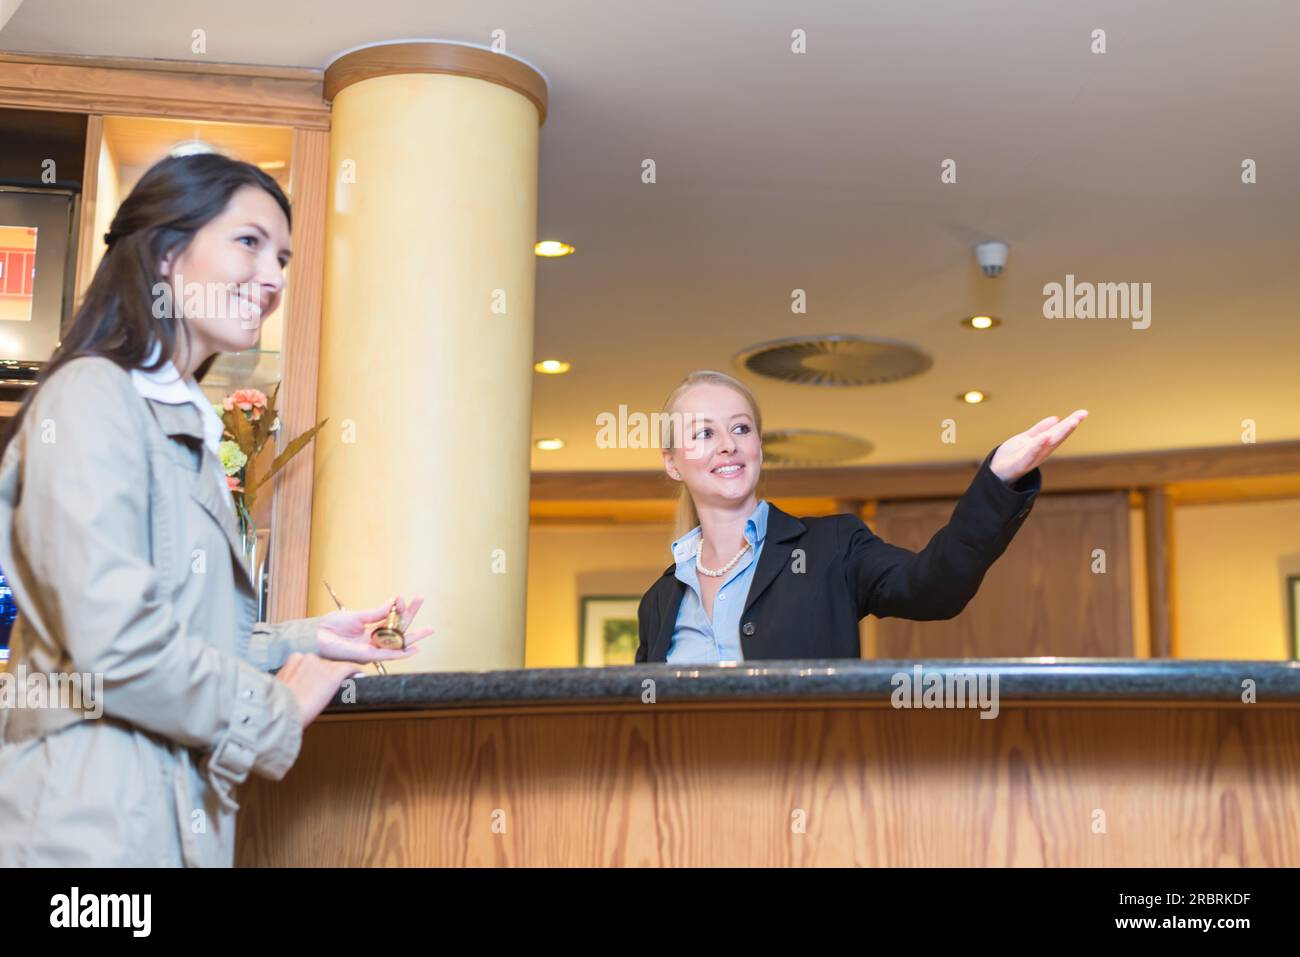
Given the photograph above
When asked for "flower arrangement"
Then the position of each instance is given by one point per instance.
(250, 420)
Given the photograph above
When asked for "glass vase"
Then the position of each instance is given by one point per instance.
(254, 553)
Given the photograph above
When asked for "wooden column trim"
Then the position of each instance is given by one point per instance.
(1158, 523)
(390, 59)
(291, 531)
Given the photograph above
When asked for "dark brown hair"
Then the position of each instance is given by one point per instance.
(173, 200)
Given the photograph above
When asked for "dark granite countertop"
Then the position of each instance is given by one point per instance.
(1018, 679)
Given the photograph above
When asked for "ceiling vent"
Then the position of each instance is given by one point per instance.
(811, 448)
(834, 361)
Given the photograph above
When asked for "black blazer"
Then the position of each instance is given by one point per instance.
(818, 577)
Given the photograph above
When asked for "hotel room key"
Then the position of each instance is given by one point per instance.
(389, 635)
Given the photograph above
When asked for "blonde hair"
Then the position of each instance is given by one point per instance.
(687, 517)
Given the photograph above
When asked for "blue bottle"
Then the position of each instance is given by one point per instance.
(8, 612)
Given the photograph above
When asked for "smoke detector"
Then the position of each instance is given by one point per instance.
(992, 257)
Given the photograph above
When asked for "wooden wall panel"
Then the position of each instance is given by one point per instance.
(1200, 469)
(1158, 524)
(877, 787)
(1040, 598)
(225, 92)
(291, 539)
(86, 238)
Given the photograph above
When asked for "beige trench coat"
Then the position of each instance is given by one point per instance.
(124, 561)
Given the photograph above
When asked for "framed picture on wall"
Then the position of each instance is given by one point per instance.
(37, 256)
(1293, 612)
(607, 633)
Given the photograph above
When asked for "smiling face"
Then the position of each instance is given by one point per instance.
(721, 454)
(231, 275)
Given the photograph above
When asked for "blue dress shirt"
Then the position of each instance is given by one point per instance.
(696, 639)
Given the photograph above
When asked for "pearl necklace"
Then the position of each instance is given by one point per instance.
(725, 568)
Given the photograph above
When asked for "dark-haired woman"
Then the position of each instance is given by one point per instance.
(117, 534)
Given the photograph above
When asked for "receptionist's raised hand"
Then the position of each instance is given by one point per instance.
(1021, 454)
(345, 635)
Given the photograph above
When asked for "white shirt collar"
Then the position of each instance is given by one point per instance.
(166, 385)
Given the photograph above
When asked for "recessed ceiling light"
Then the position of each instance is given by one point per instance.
(550, 445)
(191, 148)
(974, 396)
(552, 247)
(272, 164)
(981, 322)
(551, 366)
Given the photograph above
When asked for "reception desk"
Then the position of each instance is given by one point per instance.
(1081, 762)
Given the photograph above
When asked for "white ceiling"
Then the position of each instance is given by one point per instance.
(821, 171)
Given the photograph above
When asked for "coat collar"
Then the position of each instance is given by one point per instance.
(164, 385)
(183, 419)
(186, 421)
(782, 531)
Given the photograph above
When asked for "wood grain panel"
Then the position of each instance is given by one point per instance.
(138, 142)
(1072, 474)
(89, 201)
(1158, 525)
(1258, 488)
(300, 367)
(1040, 598)
(651, 511)
(877, 787)
(226, 92)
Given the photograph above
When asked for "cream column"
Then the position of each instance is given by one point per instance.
(422, 474)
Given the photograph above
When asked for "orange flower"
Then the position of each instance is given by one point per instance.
(251, 401)
(233, 484)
